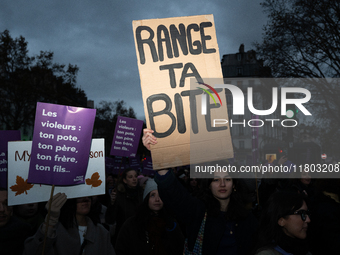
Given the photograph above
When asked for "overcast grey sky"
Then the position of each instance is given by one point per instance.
(97, 36)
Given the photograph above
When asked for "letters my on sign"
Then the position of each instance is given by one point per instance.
(171, 54)
(20, 191)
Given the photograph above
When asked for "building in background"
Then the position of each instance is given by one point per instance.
(244, 70)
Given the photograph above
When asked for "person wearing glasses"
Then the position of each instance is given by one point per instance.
(283, 225)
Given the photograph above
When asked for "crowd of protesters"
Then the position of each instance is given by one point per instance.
(171, 213)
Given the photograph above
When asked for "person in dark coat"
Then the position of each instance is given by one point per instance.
(229, 228)
(13, 231)
(325, 227)
(30, 213)
(69, 230)
(151, 229)
(125, 201)
(283, 225)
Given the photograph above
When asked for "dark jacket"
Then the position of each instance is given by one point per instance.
(272, 251)
(325, 226)
(67, 241)
(124, 207)
(12, 236)
(172, 239)
(191, 210)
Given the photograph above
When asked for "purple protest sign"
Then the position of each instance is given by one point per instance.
(61, 144)
(5, 137)
(109, 165)
(135, 163)
(147, 166)
(126, 137)
(119, 164)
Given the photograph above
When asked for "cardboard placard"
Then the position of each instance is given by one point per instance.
(174, 54)
(22, 192)
(61, 144)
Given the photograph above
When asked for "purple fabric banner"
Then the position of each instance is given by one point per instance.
(61, 144)
(126, 137)
(5, 137)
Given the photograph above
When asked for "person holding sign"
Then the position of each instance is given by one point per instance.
(70, 230)
(13, 231)
(124, 203)
(152, 229)
(216, 220)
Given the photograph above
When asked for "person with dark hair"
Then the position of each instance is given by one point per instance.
(283, 225)
(152, 229)
(125, 202)
(110, 186)
(326, 217)
(193, 186)
(69, 230)
(110, 182)
(13, 232)
(98, 211)
(31, 214)
(303, 184)
(216, 220)
(275, 181)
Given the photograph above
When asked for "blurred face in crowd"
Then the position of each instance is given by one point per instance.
(94, 200)
(193, 182)
(186, 177)
(155, 202)
(131, 179)
(293, 225)
(110, 182)
(27, 210)
(305, 178)
(221, 186)
(5, 210)
(83, 205)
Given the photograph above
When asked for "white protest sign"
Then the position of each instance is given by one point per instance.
(21, 192)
